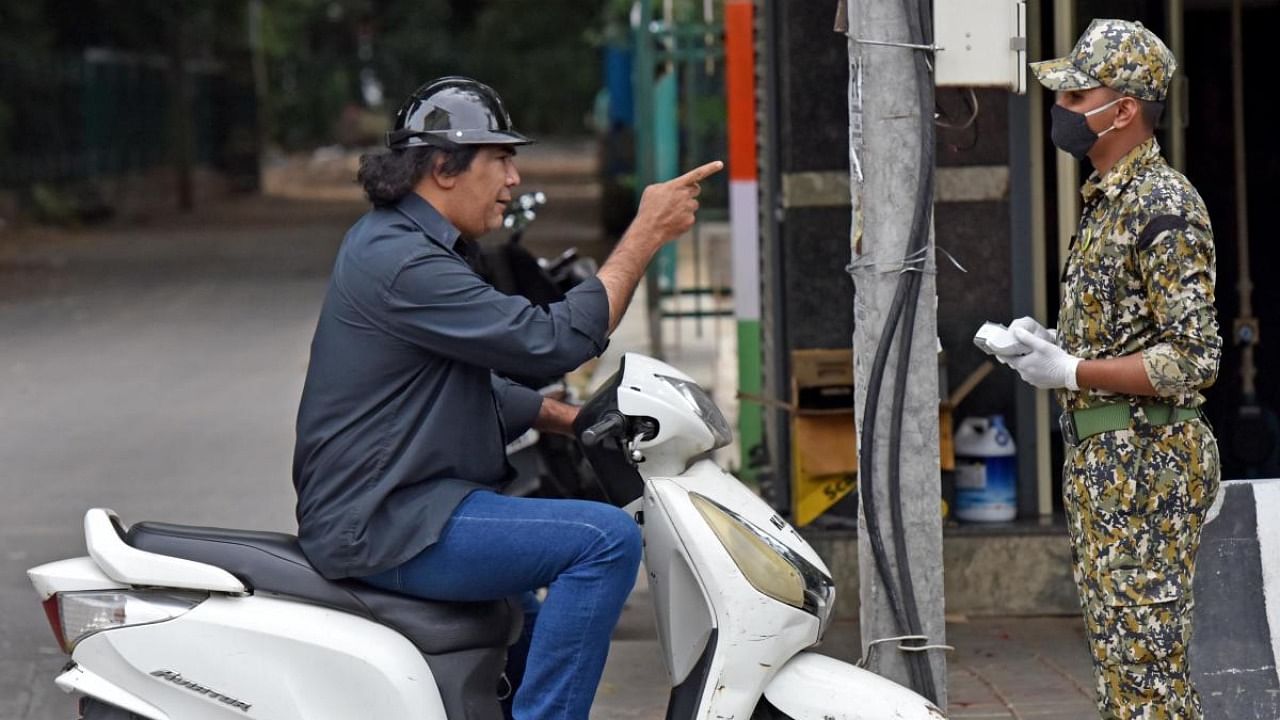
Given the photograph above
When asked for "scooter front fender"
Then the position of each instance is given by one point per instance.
(815, 687)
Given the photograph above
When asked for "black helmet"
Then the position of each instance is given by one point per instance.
(453, 111)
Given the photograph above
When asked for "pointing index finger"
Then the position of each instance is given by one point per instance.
(699, 174)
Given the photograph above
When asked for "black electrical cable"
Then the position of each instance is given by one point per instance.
(911, 280)
(866, 467)
(918, 660)
(907, 620)
(905, 610)
(920, 32)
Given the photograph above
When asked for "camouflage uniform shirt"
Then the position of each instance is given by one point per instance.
(1140, 278)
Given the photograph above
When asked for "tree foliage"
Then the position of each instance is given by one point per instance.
(536, 54)
(321, 54)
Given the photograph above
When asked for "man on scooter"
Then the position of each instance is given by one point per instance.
(403, 419)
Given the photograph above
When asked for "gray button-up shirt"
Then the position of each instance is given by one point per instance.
(402, 415)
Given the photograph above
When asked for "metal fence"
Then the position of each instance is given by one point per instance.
(106, 113)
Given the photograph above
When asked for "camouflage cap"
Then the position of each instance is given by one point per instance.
(1120, 54)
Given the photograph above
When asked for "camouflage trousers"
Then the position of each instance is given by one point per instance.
(1136, 500)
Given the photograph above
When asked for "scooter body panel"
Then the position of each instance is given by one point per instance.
(78, 679)
(755, 634)
(684, 615)
(70, 575)
(262, 657)
(816, 687)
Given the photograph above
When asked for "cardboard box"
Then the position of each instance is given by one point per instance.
(822, 380)
(824, 439)
(824, 461)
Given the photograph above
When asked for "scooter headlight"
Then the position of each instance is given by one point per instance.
(702, 404)
(771, 567)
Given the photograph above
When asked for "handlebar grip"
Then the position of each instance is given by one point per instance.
(566, 257)
(611, 423)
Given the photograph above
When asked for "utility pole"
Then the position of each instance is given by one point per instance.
(891, 177)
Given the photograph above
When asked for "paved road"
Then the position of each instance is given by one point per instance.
(155, 371)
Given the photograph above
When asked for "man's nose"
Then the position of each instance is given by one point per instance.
(513, 175)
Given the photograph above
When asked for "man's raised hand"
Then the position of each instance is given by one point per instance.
(667, 209)
(699, 174)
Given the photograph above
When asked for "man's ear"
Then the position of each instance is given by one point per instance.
(1130, 112)
(444, 181)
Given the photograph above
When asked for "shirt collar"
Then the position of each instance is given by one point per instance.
(1125, 169)
(430, 221)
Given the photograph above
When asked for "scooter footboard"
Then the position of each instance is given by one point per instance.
(816, 687)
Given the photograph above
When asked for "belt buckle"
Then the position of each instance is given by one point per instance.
(1066, 423)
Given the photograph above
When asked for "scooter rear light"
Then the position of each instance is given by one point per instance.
(77, 615)
(53, 611)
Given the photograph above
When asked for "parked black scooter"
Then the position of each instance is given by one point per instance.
(546, 465)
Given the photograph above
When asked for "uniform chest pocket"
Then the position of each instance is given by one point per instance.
(1095, 280)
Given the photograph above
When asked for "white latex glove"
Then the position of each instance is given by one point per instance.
(1033, 326)
(1047, 366)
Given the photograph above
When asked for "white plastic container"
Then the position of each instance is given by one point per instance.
(986, 471)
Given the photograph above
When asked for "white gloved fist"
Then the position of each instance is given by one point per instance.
(1047, 366)
(1033, 326)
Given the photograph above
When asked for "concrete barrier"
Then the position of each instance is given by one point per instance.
(1027, 571)
(1022, 570)
(1236, 645)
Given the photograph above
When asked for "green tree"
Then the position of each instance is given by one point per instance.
(24, 36)
(539, 55)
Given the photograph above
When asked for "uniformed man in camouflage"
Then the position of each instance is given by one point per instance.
(1136, 341)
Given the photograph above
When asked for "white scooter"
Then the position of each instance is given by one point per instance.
(187, 623)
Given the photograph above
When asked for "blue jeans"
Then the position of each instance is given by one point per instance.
(585, 553)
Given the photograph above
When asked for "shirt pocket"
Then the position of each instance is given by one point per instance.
(1101, 288)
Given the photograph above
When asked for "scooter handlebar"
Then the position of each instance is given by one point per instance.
(610, 424)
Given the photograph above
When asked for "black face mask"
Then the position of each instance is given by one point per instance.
(1070, 131)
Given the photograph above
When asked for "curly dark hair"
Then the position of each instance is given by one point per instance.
(387, 177)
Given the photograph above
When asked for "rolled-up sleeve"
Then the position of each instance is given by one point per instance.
(437, 302)
(518, 405)
(1179, 269)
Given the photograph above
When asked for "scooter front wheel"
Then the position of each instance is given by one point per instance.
(93, 709)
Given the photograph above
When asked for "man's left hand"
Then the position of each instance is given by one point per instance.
(556, 417)
(1047, 366)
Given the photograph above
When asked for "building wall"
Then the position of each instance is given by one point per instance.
(807, 295)
(976, 232)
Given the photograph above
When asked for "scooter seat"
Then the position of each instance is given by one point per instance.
(273, 563)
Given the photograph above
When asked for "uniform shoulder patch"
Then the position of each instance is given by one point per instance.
(1157, 225)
